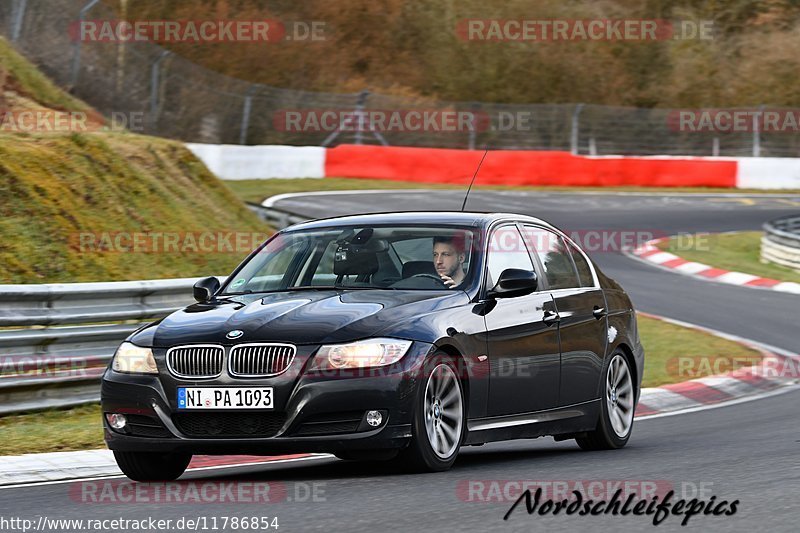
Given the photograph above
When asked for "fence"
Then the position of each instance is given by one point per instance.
(780, 243)
(182, 100)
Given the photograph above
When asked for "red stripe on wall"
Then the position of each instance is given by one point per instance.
(523, 167)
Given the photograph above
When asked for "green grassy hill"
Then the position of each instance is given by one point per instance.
(72, 203)
(22, 83)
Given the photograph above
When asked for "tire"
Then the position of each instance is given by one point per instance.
(148, 466)
(436, 432)
(617, 407)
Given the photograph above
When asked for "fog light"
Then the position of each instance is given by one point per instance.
(374, 418)
(116, 420)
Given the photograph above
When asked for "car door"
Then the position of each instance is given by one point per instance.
(581, 308)
(522, 347)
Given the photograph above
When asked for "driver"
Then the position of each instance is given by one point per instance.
(448, 259)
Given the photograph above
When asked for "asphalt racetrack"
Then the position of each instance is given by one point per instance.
(745, 451)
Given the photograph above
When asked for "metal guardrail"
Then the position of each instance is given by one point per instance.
(276, 218)
(781, 242)
(59, 338)
(58, 363)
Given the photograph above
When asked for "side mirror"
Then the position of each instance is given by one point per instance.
(514, 282)
(205, 289)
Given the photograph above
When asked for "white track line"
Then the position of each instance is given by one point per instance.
(204, 468)
(269, 202)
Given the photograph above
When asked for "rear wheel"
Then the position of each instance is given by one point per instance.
(617, 407)
(439, 418)
(149, 466)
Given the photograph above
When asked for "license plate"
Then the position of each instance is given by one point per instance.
(225, 398)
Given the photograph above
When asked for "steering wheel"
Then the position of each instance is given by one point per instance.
(429, 276)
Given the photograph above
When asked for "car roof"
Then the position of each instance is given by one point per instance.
(454, 218)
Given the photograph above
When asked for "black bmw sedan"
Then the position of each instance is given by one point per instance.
(397, 337)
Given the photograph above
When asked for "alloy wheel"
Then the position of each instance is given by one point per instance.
(443, 411)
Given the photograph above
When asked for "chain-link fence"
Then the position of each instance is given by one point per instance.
(182, 100)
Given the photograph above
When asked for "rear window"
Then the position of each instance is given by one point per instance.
(584, 271)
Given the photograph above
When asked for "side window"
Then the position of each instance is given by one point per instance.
(506, 250)
(554, 256)
(414, 249)
(584, 272)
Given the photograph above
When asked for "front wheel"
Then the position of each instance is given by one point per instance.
(439, 418)
(149, 466)
(617, 407)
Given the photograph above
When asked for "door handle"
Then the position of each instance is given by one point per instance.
(550, 318)
(599, 312)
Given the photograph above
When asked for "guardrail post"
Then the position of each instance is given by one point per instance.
(715, 147)
(248, 105)
(76, 54)
(473, 130)
(18, 15)
(155, 85)
(573, 141)
(360, 104)
(757, 131)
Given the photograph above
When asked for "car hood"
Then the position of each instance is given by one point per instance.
(298, 317)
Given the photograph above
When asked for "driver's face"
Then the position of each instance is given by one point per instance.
(446, 260)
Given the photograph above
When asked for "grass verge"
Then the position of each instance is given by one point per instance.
(113, 207)
(676, 353)
(20, 77)
(79, 428)
(739, 252)
(668, 349)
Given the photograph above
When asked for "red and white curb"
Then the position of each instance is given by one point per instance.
(778, 369)
(650, 252)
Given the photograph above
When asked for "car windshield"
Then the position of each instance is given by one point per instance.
(373, 257)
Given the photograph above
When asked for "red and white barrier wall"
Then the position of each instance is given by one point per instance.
(501, 167)
(234, 162)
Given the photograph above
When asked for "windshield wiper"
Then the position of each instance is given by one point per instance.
(367, 288)
(312, 288)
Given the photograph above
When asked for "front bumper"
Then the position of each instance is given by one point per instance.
(312, 413)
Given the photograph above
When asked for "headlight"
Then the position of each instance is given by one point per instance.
(362, 354)
(134, 360)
